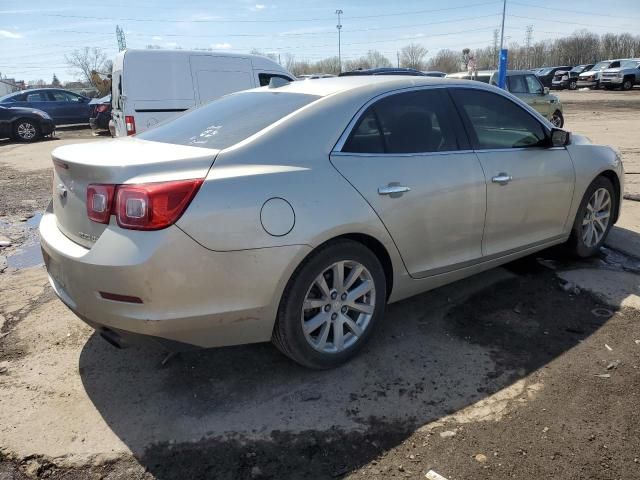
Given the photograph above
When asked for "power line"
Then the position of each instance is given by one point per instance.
(579, 12)
(289, 20)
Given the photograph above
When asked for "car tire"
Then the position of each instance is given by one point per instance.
(557, 119)
(314, 305)
(573, 85)
(627, 84)
(26, 130)
(582, 243)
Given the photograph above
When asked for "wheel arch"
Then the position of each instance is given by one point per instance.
(613, 178)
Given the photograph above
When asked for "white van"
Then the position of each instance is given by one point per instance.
(149, 86)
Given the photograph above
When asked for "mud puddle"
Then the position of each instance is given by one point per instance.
(25, 249)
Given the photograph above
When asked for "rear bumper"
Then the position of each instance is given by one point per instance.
(99, 122)
(189, 294)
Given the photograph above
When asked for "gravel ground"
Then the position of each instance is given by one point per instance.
(514, 373)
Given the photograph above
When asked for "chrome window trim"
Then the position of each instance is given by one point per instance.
(337, 148)
(416, 154)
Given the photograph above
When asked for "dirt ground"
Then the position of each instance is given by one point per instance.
(528, 371)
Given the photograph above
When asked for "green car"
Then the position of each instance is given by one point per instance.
(525, 85)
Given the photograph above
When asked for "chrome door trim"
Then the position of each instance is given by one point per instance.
(337, 148)
(481, 260)
(448, 152)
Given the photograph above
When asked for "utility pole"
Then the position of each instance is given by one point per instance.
(502, 60)
(527, 44)
(122, 42)
(339, 27)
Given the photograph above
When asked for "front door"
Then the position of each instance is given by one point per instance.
(529, 185)
(407, 159)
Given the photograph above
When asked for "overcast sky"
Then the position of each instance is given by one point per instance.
(35, 37)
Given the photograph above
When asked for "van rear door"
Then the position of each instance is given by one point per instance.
(215, 76)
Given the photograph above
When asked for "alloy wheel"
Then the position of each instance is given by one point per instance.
(338, 307)
(596, 217)
(573, 85)
(556, 120)
(26, 131)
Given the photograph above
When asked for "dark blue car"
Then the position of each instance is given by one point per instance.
(63, 106)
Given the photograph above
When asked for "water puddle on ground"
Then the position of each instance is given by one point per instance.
(28, 254)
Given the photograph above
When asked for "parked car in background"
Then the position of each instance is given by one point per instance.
(63, 106)
(569, 78)
(623, 77)
(545, 75)
(591, 78)
(24, 124)
(315, 76)
(434, 73)
(525, 85)
(149, 86)
(384, 71)
(211, 239)
(100, 114)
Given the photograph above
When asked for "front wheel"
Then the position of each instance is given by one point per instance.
(573, 85)
(331, 305)
(594, 218)
(26, 130)
(557, 119)
(627, 85)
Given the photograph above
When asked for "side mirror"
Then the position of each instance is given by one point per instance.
(545, 91)
(560, 138)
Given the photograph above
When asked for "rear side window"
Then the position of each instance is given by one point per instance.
(37, 97)
(517, 84)
(227, 120)
(495, 122)
(411, 122)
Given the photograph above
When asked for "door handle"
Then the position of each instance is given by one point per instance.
(502, 178)
(393, 190)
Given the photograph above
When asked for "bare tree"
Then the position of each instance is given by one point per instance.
(83, 62)
(446, 61)
(412, 56)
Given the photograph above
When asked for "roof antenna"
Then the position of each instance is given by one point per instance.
(276, 82)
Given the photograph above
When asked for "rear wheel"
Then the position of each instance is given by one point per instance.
(26, 130)
(557, 119)
(331, 305)
(594, 218)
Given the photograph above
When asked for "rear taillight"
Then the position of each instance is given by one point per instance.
(99, 202)
(130, 123)
(102, 108)
(150, 206)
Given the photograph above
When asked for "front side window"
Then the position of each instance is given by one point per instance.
(410, 122)
(533, 85)
(495, 122)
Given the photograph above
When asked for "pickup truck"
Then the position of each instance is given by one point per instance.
(624, 77)
(569, 78)
(591, 78)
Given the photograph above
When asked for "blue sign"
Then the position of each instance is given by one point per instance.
(502, 68)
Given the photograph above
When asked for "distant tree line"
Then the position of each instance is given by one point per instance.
(578, 48)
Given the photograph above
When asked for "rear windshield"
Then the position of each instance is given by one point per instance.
(228, 120)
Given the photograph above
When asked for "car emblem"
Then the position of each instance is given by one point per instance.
(62, 191)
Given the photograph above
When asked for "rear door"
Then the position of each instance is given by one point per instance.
(215, 76)
(529, 185)
(40, 100)
(406, 156)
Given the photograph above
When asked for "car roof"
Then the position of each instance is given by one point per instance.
(375, 83)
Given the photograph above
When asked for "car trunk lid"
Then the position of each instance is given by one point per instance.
(114, 162)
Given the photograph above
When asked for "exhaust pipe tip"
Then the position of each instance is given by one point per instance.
(112, 338)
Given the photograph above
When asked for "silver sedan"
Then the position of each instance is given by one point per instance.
(296, 213)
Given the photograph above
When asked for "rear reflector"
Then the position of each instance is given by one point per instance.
(130, 123)
(149, 206)
(99, 201)
(116, 297)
